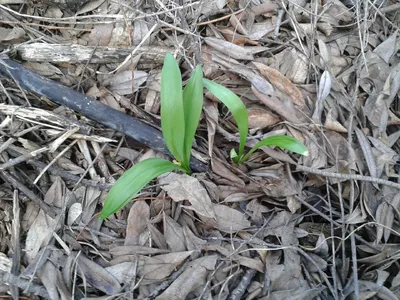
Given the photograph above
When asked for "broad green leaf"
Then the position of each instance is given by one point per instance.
(235, 106)
(282, 141)
(172, 113)
(192, 105)
(132, 181)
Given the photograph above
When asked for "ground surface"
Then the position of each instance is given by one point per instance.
(281, 226)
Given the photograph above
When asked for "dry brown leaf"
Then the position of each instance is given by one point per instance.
(211, 112)
(100, 35)
(97, 276)
(140, 31)
(138, 218)
(48, 275)
(387, 48)
(367, 151)
(124, 272)
(282, 83)
(234, 37)
(123, 82)
(174, 235)
(260, 118)
(284, 107)
(193, 277)
(192, 241)
(230, 220)
(41, 231)
(252, 263)
(385, 215)
(230, 49)
(161, 266)
(220, 169)
(184, 187)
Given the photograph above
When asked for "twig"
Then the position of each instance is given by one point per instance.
(239, 291)
(20, 159)
(16, 151)
(16, 247)
(355, 267)
(348, 176)
(219, 19)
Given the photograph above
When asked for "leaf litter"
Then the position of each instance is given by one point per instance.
(325, 226)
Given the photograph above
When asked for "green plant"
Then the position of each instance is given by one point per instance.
(239, 112)
(180, 116)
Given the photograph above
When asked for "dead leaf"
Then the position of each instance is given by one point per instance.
(230, 220)
(184, 187)
(211, 112)
(230, 49)
(100, 35)
(174, 235)
(284, 107)
(260, 118)
(193, 277)
(220, 169)
(138, 218)
(122, 82)
(161, 266)
(282, 83)
(97, 276)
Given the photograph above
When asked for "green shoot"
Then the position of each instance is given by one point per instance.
(132, 181)
(238, 110)
(180, 116)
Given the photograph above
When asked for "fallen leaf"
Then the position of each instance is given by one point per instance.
(138, 218)
(185, 187)
(174, 235)
(282, 83)
(193, 277)
(97, 276)
(260, 118)
(230, 220)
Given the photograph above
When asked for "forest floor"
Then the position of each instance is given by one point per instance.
(280, 226)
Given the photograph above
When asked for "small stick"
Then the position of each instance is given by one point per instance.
(348, 176)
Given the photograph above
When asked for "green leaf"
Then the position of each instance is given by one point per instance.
(192, 105)
(132, 181)
(172, 112)
(282, 141)
(235, 106)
